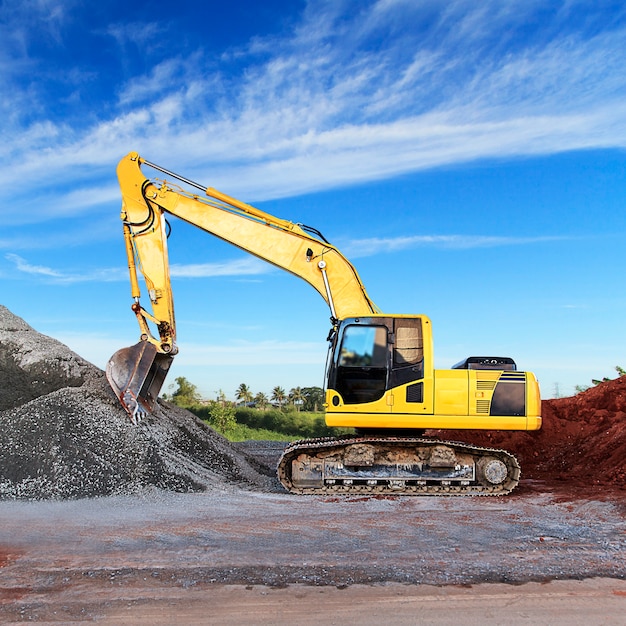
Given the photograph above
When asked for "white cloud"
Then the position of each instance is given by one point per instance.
(61, 203)
(252, 266)
(155, 83)
(137, 33)
(349, 96)
(59, 277)
(98, 348)
(21, 265)
(237, 267)
(377, 245)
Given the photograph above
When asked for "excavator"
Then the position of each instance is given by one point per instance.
(380, 376)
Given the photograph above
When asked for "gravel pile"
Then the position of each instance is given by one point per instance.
(63, 433)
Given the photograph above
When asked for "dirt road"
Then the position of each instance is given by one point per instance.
(596, 602)
(236, 556)
(78, 544)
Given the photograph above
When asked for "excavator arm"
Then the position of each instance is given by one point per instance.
(137, 373)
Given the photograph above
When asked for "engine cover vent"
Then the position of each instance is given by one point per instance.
(482, 407)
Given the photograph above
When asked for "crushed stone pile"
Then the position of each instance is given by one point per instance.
(582, 440)
(33, 365)
(63, 433)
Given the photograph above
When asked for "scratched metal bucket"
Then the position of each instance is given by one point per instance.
(136, 375)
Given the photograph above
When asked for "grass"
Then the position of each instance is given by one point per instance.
(242, 423)
(241, 432)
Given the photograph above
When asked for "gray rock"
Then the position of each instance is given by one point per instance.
(63, 433)
(32, 364)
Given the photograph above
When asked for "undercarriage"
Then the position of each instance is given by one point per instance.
(396, 465)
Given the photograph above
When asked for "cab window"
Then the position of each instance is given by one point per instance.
(362, 364)
(364, 346)
(409, 347)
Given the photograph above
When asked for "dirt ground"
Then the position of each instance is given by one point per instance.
(541, 556)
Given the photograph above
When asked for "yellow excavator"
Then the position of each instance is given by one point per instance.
(380, 377)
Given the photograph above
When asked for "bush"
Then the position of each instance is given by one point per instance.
(274, 424)
(219, 415)
(222, 417)
(294, 423)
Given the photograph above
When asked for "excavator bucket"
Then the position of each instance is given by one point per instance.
(136, 375)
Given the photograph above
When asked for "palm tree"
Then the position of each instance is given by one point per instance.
(278, 395)
(243, 393)
(261, 400)
(296, 396)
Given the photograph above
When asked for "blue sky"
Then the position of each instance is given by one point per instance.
(469, 157)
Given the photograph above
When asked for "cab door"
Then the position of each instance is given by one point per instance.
(361, 368)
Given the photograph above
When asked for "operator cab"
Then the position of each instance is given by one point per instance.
(372, 355)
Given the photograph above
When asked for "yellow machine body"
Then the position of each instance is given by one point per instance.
(381, 373)
(381, 376)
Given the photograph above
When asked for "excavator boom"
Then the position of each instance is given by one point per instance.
(136, 374)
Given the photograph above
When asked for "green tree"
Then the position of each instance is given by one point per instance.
(186, 394)
(243, 393)
(261, 400)
(296, 398)
(618, 369)
(313, 399)
(279, 396)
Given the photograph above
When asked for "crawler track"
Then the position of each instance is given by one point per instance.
(396, 465)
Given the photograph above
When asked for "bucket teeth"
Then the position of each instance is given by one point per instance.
(134, 408)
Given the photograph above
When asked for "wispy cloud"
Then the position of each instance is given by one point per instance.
(140, 34)
(21, 265)
(378, 245)
(250, 266)
(52, 275)
(74, 234)
(237, 267)
(57, 203)
(97, 348)
(348, 96)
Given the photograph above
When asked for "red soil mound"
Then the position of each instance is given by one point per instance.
(582, 440)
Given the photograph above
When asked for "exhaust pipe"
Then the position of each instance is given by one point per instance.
(136, 375)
